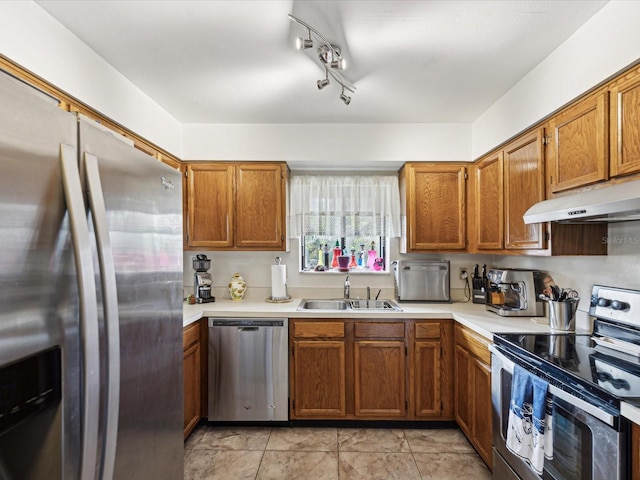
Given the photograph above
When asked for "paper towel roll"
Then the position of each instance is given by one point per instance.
(278, 281)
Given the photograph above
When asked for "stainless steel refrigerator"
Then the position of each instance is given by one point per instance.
(91, 380)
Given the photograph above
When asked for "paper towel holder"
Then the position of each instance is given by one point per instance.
(287, 297)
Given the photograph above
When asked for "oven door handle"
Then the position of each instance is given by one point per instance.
(601, 415)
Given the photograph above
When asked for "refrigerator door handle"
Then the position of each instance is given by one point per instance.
(88, 311)
(110, 302)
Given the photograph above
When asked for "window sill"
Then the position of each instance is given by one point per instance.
(350, 272)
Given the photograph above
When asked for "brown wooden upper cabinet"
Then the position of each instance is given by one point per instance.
(435, 206)
(489, 202)
(523, 187)
(580, 144)
(625, 125)
(239, 206)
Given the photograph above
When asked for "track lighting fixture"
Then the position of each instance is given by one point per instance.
(330, 57)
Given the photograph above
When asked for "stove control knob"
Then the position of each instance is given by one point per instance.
(603, 302)
(618, 305)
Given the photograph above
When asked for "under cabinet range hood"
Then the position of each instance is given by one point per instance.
(616, 203)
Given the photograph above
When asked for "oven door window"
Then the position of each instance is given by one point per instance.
(572, 446)
(572, 440)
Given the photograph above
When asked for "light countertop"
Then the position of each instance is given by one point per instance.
(473, 316)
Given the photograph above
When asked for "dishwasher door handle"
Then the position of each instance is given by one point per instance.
(248, 329)
(246, 322)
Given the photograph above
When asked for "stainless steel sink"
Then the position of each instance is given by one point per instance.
(346, 304)
(373, 305)
(323, 304)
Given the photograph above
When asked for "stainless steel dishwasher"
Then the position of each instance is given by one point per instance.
(248, 369)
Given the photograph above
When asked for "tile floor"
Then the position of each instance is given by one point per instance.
(284, 453)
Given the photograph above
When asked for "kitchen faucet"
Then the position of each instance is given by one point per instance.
(347, 287)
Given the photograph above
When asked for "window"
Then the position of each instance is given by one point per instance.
(365, 253)
(354, 211)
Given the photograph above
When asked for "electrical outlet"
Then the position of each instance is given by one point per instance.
(463, 273)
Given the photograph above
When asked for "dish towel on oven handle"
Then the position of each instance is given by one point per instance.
(529, 431)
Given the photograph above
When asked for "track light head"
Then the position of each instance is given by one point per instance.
(345, 98)
(322, 83)
(303, 43)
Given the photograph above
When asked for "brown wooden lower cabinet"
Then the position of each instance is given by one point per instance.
(192, 377)
(319, 387)
(635, 451)
(377, 369)
(473, 390)
(432, 367)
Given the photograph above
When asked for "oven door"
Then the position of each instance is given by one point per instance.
(586, 444)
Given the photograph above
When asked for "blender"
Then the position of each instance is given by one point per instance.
(202, 281)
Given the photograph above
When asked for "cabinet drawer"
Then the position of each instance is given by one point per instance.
(477, 345)
(427, 330)
(191, 335)
(379, 330)
(318, 329)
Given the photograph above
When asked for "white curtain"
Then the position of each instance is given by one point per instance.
(345, 206)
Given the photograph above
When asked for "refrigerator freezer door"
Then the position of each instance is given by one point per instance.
(38, 288)
(143, 203)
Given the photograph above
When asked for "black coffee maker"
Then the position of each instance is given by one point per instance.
(202, 281)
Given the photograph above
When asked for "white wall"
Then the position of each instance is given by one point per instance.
(328, 145)
(30, 37)
(605, 44)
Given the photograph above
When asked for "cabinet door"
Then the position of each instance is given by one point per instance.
(580, 144)
(191, 388)
(379, 378)
(625, 126)
(319, 378)
(489, 197)
(462, 390)
(428, 390)
(436, 207)
(635, 451)
(523, 187)
(210, 205)
(260, 206)
(481, 408)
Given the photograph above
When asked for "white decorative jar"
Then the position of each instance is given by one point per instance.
(237, 287)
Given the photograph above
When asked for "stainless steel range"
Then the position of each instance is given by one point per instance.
(588, 376)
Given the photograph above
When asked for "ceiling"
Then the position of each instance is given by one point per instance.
(428, 61)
